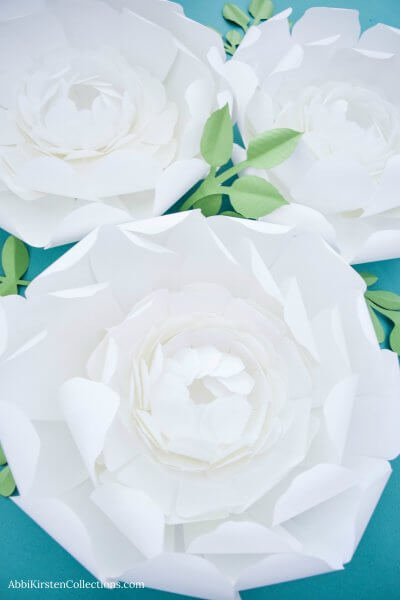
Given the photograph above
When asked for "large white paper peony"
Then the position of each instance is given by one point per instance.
(203, 404)
(342, 91)
(102, 106)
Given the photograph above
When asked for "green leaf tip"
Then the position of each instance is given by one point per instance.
(384, 299)
(210, 205)
(236, 15)
(217, 140)
(15, 262)
(369, 278)
(261, 10)
(3, 459)
(272, 147)
(7, 483)
(234, 37)
(15, 258)
(379, 331)
(387, 304)
(394, 339)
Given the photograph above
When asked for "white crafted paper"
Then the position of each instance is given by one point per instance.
(204, 406)
(341, 89)
(102, 107)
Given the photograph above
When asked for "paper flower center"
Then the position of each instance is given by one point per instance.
(200, 405)
(343, 118)
(94, 105)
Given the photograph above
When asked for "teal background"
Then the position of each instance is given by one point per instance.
(26, 552)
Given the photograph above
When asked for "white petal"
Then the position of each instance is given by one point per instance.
(89, 409)
(387, 196)
(143, 474)
(373, 475)
(17, 434)
(242, 538)
(320, 23)
(241, 383)
(193, 35)
(318, 484)
(381, 38)
(51, 175)
(9, 133)
(380, 245)
(298, 320)
(103, 361)
(328, 531)
(63, 525)
(147, 44)
(183, 574)
(81, 528)
(228, 366)
(14, 10)
(175, 181)
(280, 568)
(122, 172)
(134, 514)
(84, 219)
(303, 217)
(334, 185)
(338, 409)
(48, 362)
(376, 417)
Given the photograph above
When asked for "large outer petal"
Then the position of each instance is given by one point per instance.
(49, 347)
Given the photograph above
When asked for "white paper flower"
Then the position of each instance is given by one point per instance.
(102, 106)
(204, 406)
(341, 90)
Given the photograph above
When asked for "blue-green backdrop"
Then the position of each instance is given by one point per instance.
(26, 552)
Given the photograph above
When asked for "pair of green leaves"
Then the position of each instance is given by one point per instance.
(250, 196)
(15, 262)
(7, 483)
(387, 304)
(258, 10)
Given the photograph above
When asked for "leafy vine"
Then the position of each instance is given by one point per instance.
(386, 304)
(250, 196)
(258, 10)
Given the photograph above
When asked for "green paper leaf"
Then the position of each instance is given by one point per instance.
(3, 459)
(15, 258)
(232, 213)
(208, 187)
(261, 9)
(271, 148)
(235, 14)
(211, 205)
(380, 332)
(253, 197)
(217, 139)
(368, 278)
(8, 286)
(388, 300)
(394, 339)
(7, 483)
(229, 49)
(234, 37)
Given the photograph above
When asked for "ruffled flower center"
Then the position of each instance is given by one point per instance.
(340, 117)
(200, 406)
(95, 104)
